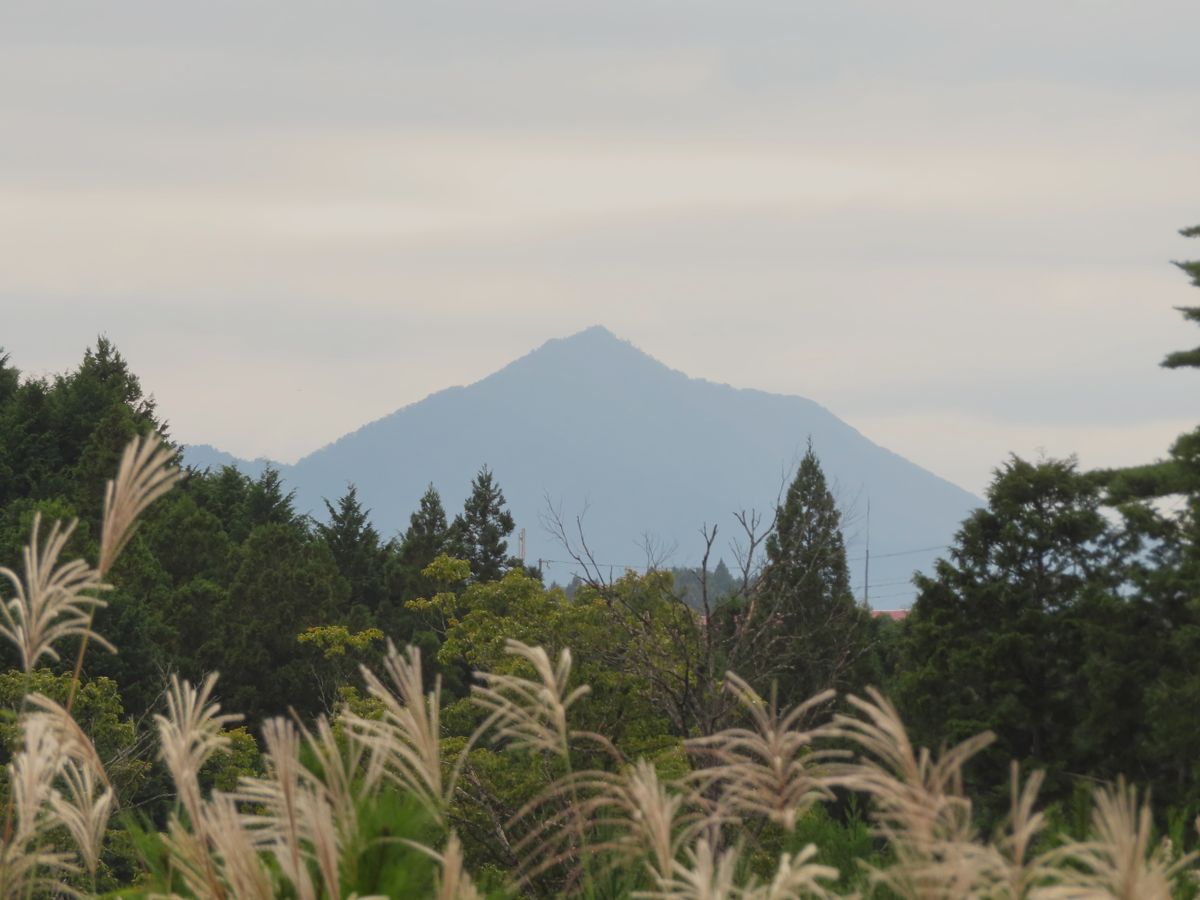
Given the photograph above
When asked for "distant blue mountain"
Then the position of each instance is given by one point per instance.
(589, 422)
(206, 456)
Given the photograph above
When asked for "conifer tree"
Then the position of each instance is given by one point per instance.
(1188, 358)
(267, 504)
(427, 536)
(822, 635)
(427, 531)
(995, 638)
(1162, 565)
(356, 549)
(286, 582)
(478, 533)
(10, 378)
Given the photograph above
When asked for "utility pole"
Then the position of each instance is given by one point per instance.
(521, 546)
(867, 563)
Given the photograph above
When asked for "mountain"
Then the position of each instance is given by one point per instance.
(589, 422)
(206, 456)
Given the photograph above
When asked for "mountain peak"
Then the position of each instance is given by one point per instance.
(594, 336)
(592, 332)
(594, 348)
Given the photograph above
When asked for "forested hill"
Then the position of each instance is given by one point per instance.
(592, 423)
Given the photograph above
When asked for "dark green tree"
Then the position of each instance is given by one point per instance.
(1160, 506)
(426, 538)
(102, 406)
(135, 622)
(10, 382)
(356, 549)
(427, 531)
(1188, 358)
(63, 437)
(267, 504)
(479, 532)
(1180, 472)
(820, 636)
(994, 640)
(10, 378)
(285, 584)
(189, 541)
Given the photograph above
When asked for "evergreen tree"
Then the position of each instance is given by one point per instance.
(286, 583)
(267, 504)
(63, 437)
(1162, 569)
(995, 639)
(478, 534)
(822, 635)
(10, 378)
(188, 540)
(10, 382)
(134, 620)
(1180, 472)
(427, 531)
(355, 545)
(427, 537)
(1188, 358)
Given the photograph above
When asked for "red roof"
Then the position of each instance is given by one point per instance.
(896, 614)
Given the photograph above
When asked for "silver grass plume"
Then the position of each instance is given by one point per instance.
(796, 878)
(405, 743)
(345, 775)
(25, 863)
(144, 475)
(705, 874)
(86, 799)
(454, 882)
(218, 859)
(295, 821)
(55, 600)
(648, 819)
(57, 778)
(1120, 861)
(83, 807)
(657, 821)
(919, 805)
(770, 769)
(189, 734)
(74, 740)
(532, 713)
(1016, 873)
(242, 874)
(281, 827)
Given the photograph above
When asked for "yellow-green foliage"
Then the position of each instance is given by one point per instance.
(335, 640)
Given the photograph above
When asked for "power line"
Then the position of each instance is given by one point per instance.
(899, 553)
(642, 565)
(876, 584)
(894, 596)
(867, 564)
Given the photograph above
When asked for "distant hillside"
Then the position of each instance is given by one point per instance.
(591, 422)
(206, 456)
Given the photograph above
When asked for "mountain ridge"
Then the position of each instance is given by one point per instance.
(592, 421)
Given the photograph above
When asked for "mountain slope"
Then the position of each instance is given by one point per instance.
(591, 422)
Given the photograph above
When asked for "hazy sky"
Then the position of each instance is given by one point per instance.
(948, 221)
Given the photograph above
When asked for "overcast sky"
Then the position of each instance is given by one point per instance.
(948, 221)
